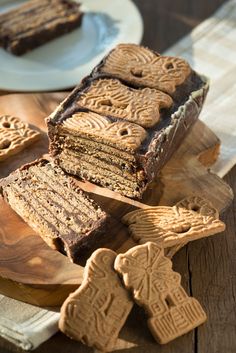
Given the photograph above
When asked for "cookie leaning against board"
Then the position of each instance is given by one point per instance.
(172, 227)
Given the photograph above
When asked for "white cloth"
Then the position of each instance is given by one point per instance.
(25, 325)
(211, 50)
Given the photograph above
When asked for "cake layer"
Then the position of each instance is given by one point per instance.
(119, 136)
(100, 150)
(36, 22)
(56, 208)
(102, 174)
(100, 164)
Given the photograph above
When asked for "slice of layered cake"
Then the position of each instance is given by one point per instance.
(118, 134)
(36, 22)
(56, 208)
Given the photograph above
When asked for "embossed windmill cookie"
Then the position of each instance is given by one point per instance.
(190, 219)
(142, 67)
(119, 133)
(15, 135)
(97, 310)
(148, 274)
(111, 97)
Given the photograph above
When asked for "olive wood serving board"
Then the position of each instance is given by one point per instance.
(34, 273)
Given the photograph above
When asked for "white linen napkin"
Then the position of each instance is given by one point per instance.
(25, 325)
(211, 50)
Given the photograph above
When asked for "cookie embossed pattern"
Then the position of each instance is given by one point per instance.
(15, 135)
(110, 97)
(118, 133)
(173, 227)
(148, 274)
(145, 68)
(97, 310)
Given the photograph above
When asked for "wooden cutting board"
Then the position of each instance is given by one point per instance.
(32, 272)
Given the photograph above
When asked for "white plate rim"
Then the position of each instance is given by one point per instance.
(128, 17)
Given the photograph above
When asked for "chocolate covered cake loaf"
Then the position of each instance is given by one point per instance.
(56, 208)
(123, 122)
(36, 22)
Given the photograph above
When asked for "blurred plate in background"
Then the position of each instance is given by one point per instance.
(63, 62)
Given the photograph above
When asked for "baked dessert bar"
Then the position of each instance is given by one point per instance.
(118, 135)
(56, 208)
(37, 22)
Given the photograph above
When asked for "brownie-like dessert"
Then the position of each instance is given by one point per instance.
(56, 208)
(119, 134)
(37, 22)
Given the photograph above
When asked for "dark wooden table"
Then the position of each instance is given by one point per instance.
(208, 266)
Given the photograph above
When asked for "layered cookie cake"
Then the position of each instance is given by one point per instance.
(123, 122)
(56, 208)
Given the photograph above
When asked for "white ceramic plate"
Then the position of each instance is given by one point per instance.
(63, 62)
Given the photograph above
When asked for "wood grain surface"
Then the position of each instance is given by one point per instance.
(208, 266)
(24, 256)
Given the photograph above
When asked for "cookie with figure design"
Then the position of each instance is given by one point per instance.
(95, 313)
(142, 67)
(116, 133)
(172, 227)
(110, 97)
(148, 274)
(15, 135)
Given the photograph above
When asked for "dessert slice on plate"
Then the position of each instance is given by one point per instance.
(36, 22)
